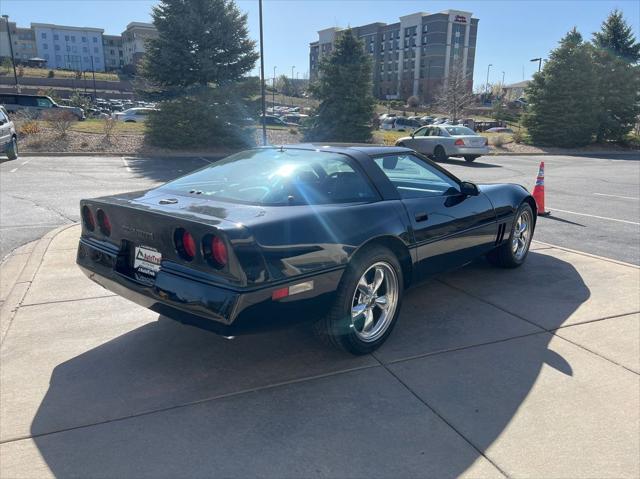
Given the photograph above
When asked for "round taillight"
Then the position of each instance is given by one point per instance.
(87, 218)
(219, 251)
(104, 223)
(189, 244)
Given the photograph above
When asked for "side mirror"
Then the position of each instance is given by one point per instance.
(469, 189)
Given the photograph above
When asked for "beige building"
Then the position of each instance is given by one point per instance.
(23, 39)
(113, 52)
(134, 41)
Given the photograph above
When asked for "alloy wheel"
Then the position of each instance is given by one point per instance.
(374, 301)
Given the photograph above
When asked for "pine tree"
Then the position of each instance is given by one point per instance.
(199, 42)
(614, 54)
(198, 65)
(562, 98)
(616, 36)
(344, 89)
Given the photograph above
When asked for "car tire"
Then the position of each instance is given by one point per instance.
(439, 154)
(470, 159)
(340, 328)
(513, 253)
(12, 149)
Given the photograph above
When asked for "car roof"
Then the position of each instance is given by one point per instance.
(346, 148)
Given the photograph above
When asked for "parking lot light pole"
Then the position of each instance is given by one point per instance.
(13, 60)
(539, 60)
(487, 84)
(262, 81)
(291, 90)
(273, 92)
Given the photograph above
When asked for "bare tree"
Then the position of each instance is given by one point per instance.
(60, 121)
(456, 94)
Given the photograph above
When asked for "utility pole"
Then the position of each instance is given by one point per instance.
(502, 78)
(487, 84)
(93, 71)
(291, 92)
(539, 60)
(262, 81)
(273, 92)
(13, 60)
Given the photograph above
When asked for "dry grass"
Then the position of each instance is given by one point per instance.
(97, 126)
(44, 73)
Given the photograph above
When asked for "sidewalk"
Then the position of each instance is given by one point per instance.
(489, 373)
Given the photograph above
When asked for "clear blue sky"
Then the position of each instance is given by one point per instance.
(510, 33)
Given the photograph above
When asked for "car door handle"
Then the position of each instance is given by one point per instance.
(421, 217)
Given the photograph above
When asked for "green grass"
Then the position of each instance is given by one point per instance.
(97, 126)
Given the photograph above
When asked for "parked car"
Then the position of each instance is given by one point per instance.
(271, 120)
(36, 105)
(443, 141)
(133, 115)
(8, 135)
(276, 236)
(427, 120)
(399, 123)
(499, 129)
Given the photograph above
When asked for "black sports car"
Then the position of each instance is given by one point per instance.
(323, 233)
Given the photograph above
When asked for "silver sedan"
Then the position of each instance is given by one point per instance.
(443, 141)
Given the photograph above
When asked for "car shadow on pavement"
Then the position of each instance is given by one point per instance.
(315, 427)
(479, 163)
(163, 169)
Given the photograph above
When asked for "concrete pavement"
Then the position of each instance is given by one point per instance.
(489, 373)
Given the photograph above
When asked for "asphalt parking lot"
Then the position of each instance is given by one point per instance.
(595, 202)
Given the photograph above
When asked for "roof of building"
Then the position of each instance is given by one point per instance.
(520, 84)
(66, 27)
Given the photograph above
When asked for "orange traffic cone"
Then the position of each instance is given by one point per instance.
(538, 192)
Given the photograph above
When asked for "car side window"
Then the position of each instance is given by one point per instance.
(424, 131)
(415, 178)
(27, 101)
(44, 103)
(3, 118)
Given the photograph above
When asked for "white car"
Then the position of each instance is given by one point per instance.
(8, 136)
(133, 115)
(443, 141)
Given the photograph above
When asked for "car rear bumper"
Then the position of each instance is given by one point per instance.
(210, 306)
(469, 151)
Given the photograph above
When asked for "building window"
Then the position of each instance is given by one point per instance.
(424, 28)
(68, 48)
(56, 47)
(43, 35)
(458, 33)
(113, 52)
(73, 38)
(84, 39)
(95, 49)
(95, 39)
(85, 49)
(66, 38)
(56, 37)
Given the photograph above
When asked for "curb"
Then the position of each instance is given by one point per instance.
(566, 153)
(223, 154)
(120, 154)
(24, 278)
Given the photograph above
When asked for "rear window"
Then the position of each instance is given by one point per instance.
(7, 100)
(278, 178)
(459, 130)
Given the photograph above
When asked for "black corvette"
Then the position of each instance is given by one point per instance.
(321, 233)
